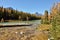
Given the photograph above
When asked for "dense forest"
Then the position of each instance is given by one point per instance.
(12, 14)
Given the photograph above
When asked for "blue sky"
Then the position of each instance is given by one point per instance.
(30, 6)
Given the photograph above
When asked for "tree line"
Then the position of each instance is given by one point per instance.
(11, 14)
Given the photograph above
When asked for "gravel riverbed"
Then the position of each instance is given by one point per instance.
(21, 33)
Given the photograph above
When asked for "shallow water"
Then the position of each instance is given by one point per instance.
(34, 22)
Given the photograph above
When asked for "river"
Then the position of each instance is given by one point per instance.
(22, 33)
(34, 22)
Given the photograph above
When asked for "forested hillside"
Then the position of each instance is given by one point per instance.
(12, 14)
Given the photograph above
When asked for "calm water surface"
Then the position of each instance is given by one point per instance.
(34, 22)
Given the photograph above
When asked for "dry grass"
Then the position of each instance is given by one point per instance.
(14, 33)
(44, 27)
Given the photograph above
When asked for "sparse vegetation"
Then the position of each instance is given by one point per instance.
(44, 18)
(21, 33)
